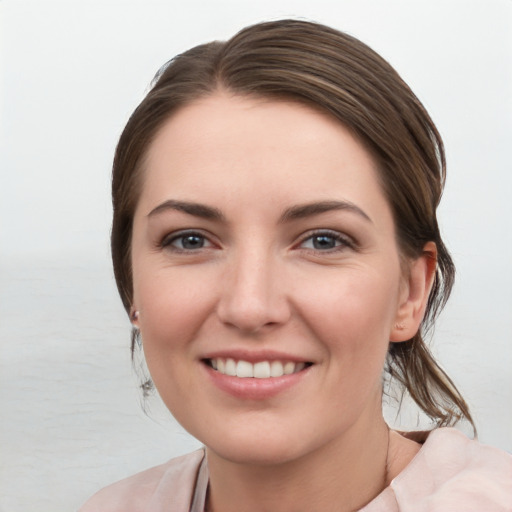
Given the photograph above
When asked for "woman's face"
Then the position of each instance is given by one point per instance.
(263, 245)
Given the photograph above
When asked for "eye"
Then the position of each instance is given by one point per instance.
(186, 241)
(325, 241)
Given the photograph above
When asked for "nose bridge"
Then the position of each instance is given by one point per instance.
(253, 295)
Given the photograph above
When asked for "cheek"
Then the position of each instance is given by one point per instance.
(169, 311)
(166, 312)
(353, 312)
(170, 315)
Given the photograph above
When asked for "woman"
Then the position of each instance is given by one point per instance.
(275, 244)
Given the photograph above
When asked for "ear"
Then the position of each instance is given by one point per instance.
(414, 294)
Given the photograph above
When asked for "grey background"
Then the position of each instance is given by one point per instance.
(71, 73)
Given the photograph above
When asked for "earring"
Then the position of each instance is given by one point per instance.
(134, 317)
(400, 326)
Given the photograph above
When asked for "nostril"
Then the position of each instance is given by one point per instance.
(252, 314)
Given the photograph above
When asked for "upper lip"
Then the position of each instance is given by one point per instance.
(254, 356)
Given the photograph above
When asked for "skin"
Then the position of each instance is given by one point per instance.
(254, 281)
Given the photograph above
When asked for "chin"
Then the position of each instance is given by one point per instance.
(260, 453)
(261, 446)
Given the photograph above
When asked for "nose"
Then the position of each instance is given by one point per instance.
(253, 297)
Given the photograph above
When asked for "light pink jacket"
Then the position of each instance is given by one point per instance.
(450, 473)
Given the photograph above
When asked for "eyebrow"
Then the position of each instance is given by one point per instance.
(290, 214)
(311, 209)
(196, 209)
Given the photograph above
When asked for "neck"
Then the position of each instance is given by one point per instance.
(341, 476)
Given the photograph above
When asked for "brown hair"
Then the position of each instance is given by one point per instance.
(340, 75)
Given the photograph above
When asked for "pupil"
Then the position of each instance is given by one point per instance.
(323, 242)
(192, 242)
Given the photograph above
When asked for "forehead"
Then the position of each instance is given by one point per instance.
(233, 145)
(254, 122)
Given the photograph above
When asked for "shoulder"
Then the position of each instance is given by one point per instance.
(175, 479)
(453, 472)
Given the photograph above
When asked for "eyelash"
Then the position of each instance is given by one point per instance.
(341, 240)
(168, 241)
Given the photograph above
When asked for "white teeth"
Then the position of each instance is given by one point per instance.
(244, 369)
(289, 368)
(230, 367)
(260, 370)
(276, 369)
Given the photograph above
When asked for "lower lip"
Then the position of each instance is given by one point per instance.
(251, 388)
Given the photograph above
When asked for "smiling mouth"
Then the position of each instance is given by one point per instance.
(260, 370)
